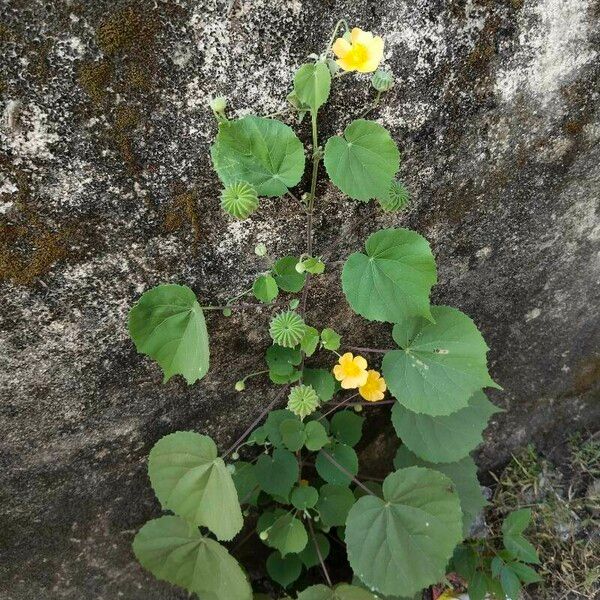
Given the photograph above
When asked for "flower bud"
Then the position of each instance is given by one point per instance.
(263, 535)
(240, 385)
(358, 408)
(260, 249)
(382, 80)
(300, 268)
(226, 312)
(218, 104)
(235, 456)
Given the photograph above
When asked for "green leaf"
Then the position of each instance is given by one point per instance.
(363, 162)
(245, 482)
(334, 503)
(510, 583)
(374, 486)
(192, 481)
(311, 84)
(464, 561)
(284, 570)
(265, 289)
(173, 550)
(346, 426)
(167, 324)
(322, 381)
(464, 476)
(392, 281)
(344, 456)
(525, 573)
(258, 436)
(263, 152)
(287, 534)
(310, 340)
(292, 434)
(512, 528)
(277, 474)
(330, 339)
(309, 555)
(286, 276)
(441, 365)
(343, 591)
(281, 362)
(478, 586)
(412, 531)
(274, 420)
(316, 436)
(444, 439)
(304, 496)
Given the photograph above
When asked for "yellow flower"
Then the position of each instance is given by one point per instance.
(373, 389)
(448, 595)
(351, 371)
(362, 53)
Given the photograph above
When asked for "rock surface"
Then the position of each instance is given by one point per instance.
(106, 189)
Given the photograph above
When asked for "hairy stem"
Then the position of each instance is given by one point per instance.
(256, 421)
(359, 483)
(314, 539)
(369, 350)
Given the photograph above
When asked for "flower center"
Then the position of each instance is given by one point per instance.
(357, 55)
(352, 369)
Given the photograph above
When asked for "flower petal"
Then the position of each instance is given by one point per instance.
(360, 362)
(358, 36)
(341, 47)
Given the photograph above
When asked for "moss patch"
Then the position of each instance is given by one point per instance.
(184, 210)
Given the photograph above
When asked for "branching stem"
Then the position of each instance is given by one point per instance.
(359, 483)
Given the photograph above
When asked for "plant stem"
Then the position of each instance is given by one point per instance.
(335, 30)
(256, 421)
(338, 405)
(373, 106)
(314, 539)
(369, 350)
(364, 403)
(359, 483)
(232, 306)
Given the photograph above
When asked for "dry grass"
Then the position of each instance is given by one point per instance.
(565, 503)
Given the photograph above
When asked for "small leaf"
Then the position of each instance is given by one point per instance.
(330, 339)
(281, 361)
(446, 438)
(392, 281)
(173, 550)
(167, 324)
(412, 532)
(274, 420)
(334, 503)
(516, 522)
(245, 482)
(287, 534)
(192, 481)
(322, 381)
(286, 276)
(478, 586)
(309, 555)
(512, 528)
(284, 570)
(510, 584)
(304, 496)
(277, 474)
(311, 85)
(310, 340)
(292, 434)
(343, 591)
(344, 456)
(363, 162)
(316, 436)
(441, 364)
(346, 426)
(525, 573)
(265, 289)
(263, 152)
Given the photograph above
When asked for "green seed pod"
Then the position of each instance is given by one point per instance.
(397, 198)
(382, 80)
(260, 249)
(303, 400)
(287, 329)
(239, 200)
(240, 385)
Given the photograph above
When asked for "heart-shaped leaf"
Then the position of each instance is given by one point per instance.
(312, 83)
(392, 281)
(364, 161)
(173, 550)
(330, 459)
(309, 555)
(191, 480)
(260, 151)
(444, 439)
(343, 591)
(286, 534)
(277, 474)
(334, 503)
(403, 542)
(284, 570)
(167, 324)
(346, 426)
(441, 364)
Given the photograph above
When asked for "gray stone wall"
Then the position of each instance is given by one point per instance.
(106, 189)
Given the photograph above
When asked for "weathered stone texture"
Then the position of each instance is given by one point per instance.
(106, 189)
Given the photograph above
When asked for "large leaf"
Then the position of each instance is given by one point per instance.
(462, 473)
(364, 161)
(441, 364)
(263, 152)
(392, 281)
(343, 591)
(173, 550)
(312, 83)
(192, 481)
(402, 543)
(444, 439)
(167, 324)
